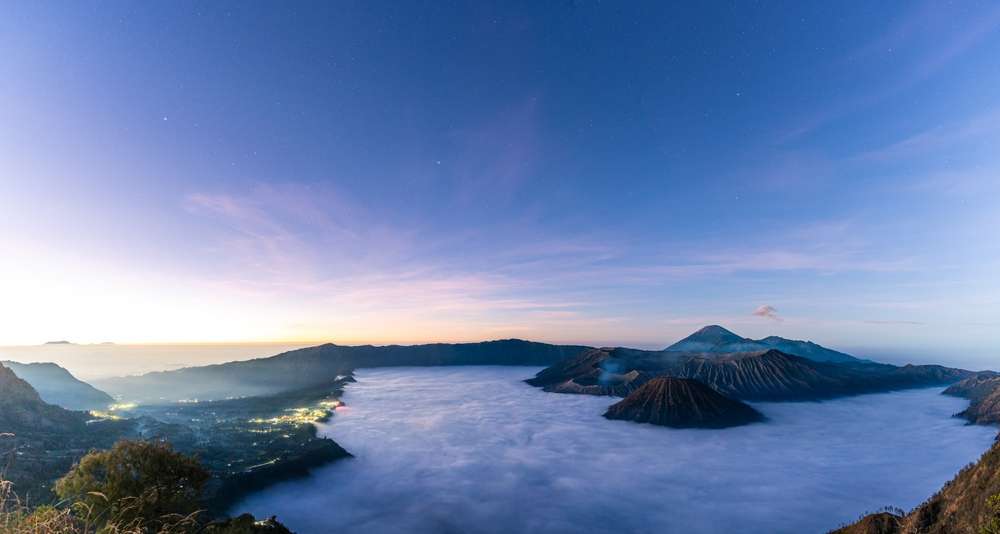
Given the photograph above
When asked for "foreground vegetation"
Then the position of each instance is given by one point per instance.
(136, 487)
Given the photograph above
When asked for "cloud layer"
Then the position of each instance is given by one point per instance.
(476, 450)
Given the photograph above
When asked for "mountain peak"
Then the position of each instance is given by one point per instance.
(716, 339)
(711, 338)
(714, 331)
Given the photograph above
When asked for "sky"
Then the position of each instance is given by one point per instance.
(569, 171)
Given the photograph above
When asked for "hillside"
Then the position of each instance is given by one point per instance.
(57, 386)
(682, 403)
(960, 506)
(311, 366)
(716, 339)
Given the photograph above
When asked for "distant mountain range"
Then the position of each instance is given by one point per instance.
(322, 364)
(776, 369)
(57, 386)
(717, 339)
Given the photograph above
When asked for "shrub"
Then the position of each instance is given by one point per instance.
(135, 483)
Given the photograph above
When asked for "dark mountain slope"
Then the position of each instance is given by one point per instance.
(764, 375)
(57, 386)
(682, 403)
(961, 506)
(716, 339)
(311, 366)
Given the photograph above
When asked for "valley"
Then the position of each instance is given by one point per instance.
(254, 432)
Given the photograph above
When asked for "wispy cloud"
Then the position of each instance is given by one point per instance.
(984, 125)
(347, 269)
(918, 46)
(767, 312)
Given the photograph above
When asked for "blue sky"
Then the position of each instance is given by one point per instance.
(605, 173)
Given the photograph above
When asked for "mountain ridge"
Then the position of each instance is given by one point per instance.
(746, 375)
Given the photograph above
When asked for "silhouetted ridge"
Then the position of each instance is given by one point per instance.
(682, 403)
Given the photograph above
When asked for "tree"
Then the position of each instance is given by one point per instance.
(993, 526)
(135, 483)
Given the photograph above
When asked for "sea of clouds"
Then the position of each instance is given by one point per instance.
(473, 449)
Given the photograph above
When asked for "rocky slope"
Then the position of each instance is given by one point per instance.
(311, 366)
(961, 506)
(57, 386)
(682, 403)
(769, 375)
(716, 339)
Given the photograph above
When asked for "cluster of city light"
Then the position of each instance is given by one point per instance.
(110, 412)
(101, 414)
(295, 416)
